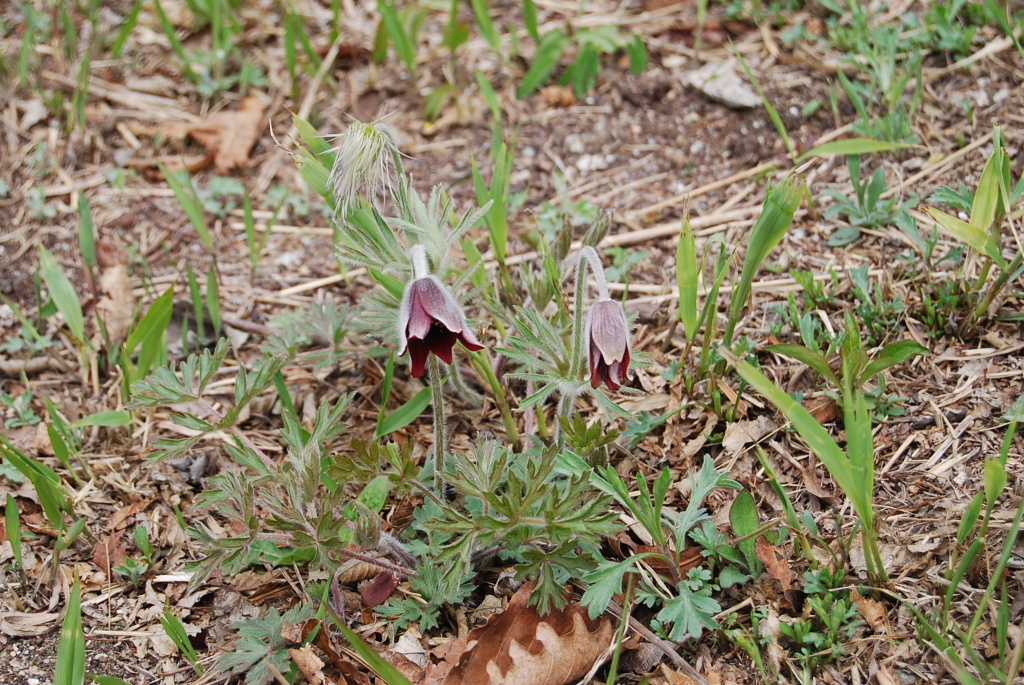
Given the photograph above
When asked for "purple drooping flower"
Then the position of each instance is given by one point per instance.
(607, 335)
(430, 320)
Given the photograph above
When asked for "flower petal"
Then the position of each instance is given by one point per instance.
(609, 330)
(418, 353)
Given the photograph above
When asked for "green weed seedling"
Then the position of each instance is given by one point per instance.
(175, 629)
(223, 67)
(853, 468)
(21, 412)
(866, 209)
(819, 637)
(686, 605)
(132, 569)
(591, 44)
(70, 666)
(880, 316)
(982, 232)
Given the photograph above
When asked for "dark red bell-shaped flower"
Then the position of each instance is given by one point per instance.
(430, 320)
(608, 344)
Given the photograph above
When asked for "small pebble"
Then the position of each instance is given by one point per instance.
(574, 144)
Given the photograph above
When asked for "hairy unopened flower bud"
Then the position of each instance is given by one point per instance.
(430, 320)
(364, 163)
(607, 336)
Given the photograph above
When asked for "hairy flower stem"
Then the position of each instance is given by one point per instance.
(437, 392)
(420, 265)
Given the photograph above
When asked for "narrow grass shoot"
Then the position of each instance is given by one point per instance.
(198, 308)
(172, 38)
(63, 295)
(982, 232)
(86, 233)
(181, 184)
(495, 196)
(12, 523)
(213, 299)
(772, 112)
(776, 217)
(686, 280)
(854, 468)
(70, 668)
(175, 630)
(391, 28)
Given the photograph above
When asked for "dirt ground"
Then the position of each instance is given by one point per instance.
(640, 145)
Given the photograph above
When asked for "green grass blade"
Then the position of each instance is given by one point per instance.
(545, 59)
(186, 195)
(483, 19)
(780, 205)
(71, 647)
(807, 356)
(383, 669)
(405, 414)
(172, 38)
(104, 418)
(175, 630)
(396, 32)
(686, 279)
(86, 232)
(852, 146)
(63, 294)
(772, 113)
(976, 238)
(812, 432)
(126, 29)
(213, 299)
(12, 521)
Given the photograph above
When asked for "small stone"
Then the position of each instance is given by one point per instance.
(574, 144)
(697, 147)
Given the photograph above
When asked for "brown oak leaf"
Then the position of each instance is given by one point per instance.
(520, 645)
(229, 134)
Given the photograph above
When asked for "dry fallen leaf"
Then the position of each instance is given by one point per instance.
(775, 562)
(110, 551)
(309, 663)
(229, 134)
(116, 306)
(520, 646)
(741, 433)
(872, 610)
(20, 624)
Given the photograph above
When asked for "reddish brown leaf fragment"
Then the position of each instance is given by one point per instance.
(775, 563)
(521, 646)
(378, 590)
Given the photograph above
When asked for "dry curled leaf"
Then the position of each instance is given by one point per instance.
(519, 645)
(116, 306)
(309, 663)
(21, 624)
(775, 562)
(229, 134)
(872, 610)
